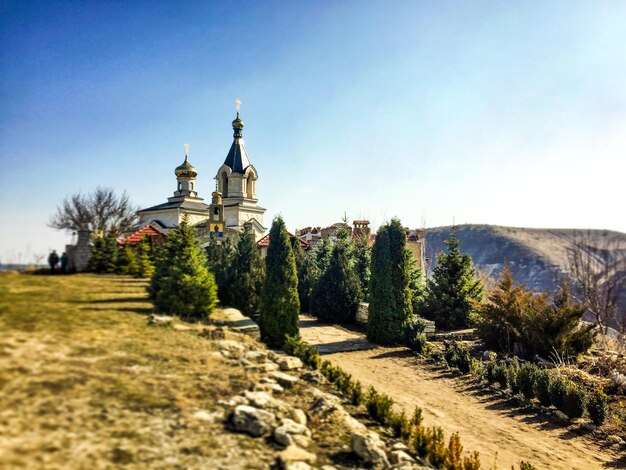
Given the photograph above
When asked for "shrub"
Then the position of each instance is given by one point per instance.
(513, 377)
(464, 360)
(575, 400)
(472, 461)
(435, 447)
(558, 391)
(523, 465)
(400, 425)
(416, 419)
(501, 376)
(308, 354)
(356, 394)
(418, 440)
(597, 407)
(526, 378)
(542, 387)
(451, 356)
(414, 337)
(476, 368)
(490, 372)
(454, 460)
(379, 406)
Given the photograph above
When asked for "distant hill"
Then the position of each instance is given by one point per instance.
(537, 257)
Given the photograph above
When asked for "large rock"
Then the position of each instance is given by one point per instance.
(253, 421)
(284, 380)
(161, 320)
(314, 377)
(370, 448)
(289, 363)
(289, 432)
(230, 346)
(399, 456)
(298, 416)
(256, 357)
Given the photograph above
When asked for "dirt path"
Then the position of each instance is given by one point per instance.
(487, 423)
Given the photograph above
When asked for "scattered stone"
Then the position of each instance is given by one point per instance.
(283, 379)
(290, 432)
(160, 320)
(289, 363)
(370, 448)
(294, 454)
(273, 356)
(266, 380)
(252, 420)
(400, 446)
(214, 417)
(489, 356)
(398, 456)
(230, 345)
(213, 334)
(298, 416)
(560, 415)
(328, 467)
(615, 440)
(297, 466)
(258, 399)
(314, 377)
(234, 401)
(409, 466)
(264, 367)
(256, 357)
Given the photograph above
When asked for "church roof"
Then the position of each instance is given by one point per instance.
(265, 242)
(237, 158)
(183, 204)
(137, 236)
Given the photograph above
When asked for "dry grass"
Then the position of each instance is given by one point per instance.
(86, 383)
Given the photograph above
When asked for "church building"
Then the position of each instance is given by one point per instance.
(233, 203)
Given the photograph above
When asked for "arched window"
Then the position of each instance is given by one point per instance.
(191, 185)
(224, 184)
(250, 189)
(180, 186)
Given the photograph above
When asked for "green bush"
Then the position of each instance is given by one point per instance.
(523, 465)
(356, 394)
(476, 368)
(513, 377)
(435, 447)
(416, 419)
(379, 406)
(542, 387)
(598, 407)
(308, 354)
(472, 461)
(400, 425)
(575, 401)
(490, 372)
(501, 375)
(454, 459)
(451, 356)
(414, 337)
(464, 360)
(526, 378)
(558, 391)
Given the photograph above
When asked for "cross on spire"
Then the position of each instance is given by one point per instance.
(237, 105)
(186, 149)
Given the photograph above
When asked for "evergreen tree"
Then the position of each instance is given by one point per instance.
(279, 296)
(146, 257)
(390, 297)
(220, 259)
(248, 273)
(322, 254)
(416, 283)
(362, 258)
(454, 288)
(336, 296)
(103, 255)
(182, 284)
(126, 261)
(308, 275)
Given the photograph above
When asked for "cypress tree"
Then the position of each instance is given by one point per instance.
(362, 259)
(248, 273)
(336, 296)
(308, 275)
(126, 261)
(145, 258)
(390, 297)
(322, 254)
(220, 259)
(104, 252)
(279, 296)
(454, 288)
(182, 284)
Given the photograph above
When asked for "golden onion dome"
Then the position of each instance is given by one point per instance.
(186, 169)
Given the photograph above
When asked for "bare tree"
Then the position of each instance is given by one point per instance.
(597, 267)
(101, 211)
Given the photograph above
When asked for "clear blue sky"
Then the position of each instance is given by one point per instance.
(509, 113)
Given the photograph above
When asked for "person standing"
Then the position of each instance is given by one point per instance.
(64, 259)
(53, 260)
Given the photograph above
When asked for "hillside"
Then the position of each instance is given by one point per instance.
(537, 257)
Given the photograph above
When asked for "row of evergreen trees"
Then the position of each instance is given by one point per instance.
(333, 279)
(107, 256)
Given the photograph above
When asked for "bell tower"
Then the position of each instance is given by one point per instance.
(236, 182)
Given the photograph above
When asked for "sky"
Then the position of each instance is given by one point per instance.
(506, 113)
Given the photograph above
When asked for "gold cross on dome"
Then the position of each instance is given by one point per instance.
(237, 104)
(186, 149)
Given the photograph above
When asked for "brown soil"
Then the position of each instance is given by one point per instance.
(489, 423)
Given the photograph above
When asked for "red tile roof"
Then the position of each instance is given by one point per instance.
(136, 237)
(265, 242)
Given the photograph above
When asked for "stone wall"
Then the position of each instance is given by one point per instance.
(79, 254)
